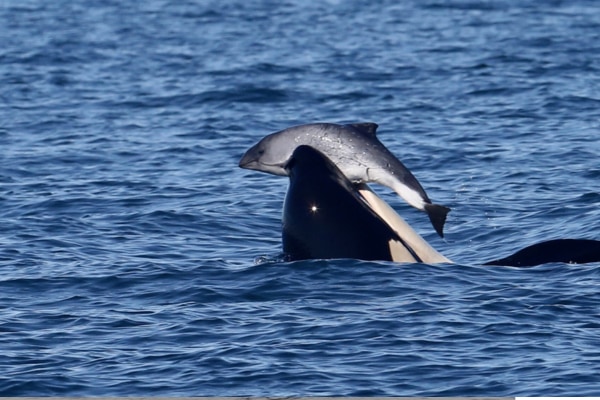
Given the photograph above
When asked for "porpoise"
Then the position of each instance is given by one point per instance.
(355, 150)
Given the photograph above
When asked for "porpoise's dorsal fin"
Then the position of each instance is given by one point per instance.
(366, 127)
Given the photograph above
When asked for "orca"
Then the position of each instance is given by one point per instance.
(326, 216)
(570, 251)
(355, 150)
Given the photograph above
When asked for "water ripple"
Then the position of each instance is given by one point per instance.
(138, 258)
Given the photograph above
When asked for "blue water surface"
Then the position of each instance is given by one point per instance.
(136, 258)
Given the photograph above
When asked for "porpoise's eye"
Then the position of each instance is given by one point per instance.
(261, 152)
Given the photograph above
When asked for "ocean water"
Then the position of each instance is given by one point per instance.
(136, 258)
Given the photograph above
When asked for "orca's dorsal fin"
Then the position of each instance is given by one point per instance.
(369, 128)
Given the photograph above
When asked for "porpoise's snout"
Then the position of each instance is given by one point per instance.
(245, 160)
(250, 159)
(254, 159)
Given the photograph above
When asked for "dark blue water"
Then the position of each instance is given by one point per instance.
(136, 258)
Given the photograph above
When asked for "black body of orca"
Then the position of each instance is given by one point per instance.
(325, 217)
(571, 251)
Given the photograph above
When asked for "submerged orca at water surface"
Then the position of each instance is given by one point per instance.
(570, 251)
(327, 216)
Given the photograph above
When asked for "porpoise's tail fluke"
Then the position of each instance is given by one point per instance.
(437, 215)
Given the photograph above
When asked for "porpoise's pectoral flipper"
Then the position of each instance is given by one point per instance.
(437, 215)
